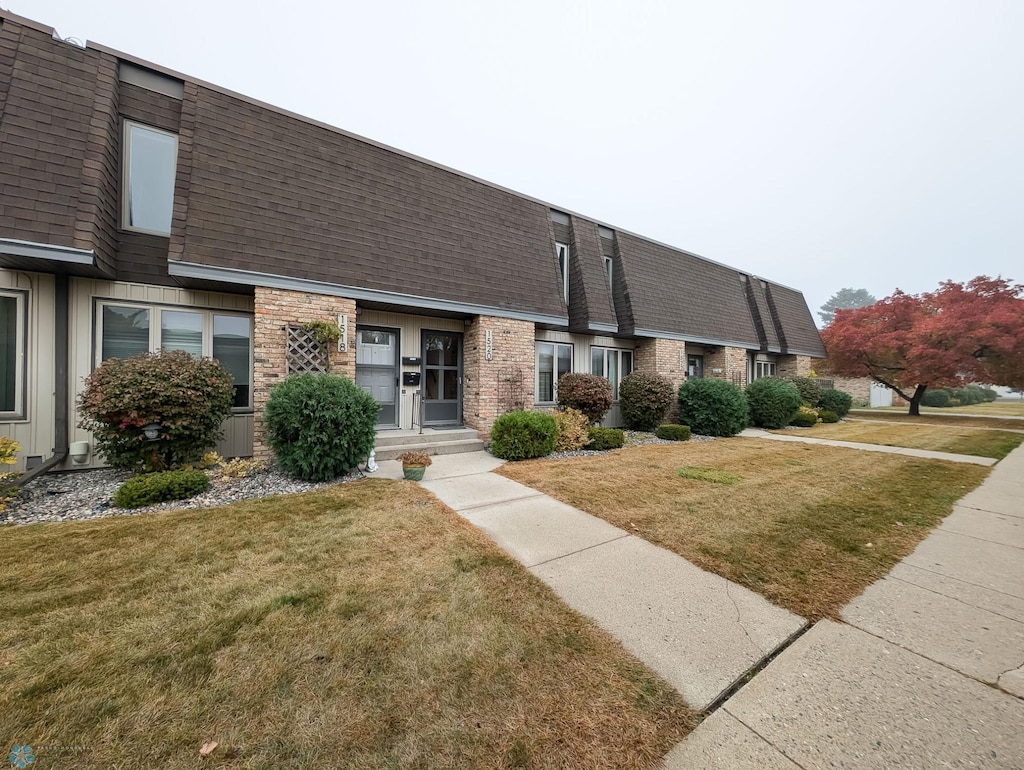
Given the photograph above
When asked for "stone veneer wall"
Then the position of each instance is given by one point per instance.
(793, 366)
(859, 388)
(485, 398)
(666, 358)
(275, 310)
(731, 363)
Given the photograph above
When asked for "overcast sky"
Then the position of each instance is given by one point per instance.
(818, 144)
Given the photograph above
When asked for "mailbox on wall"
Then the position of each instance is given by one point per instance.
(410, 378)
(411, 361)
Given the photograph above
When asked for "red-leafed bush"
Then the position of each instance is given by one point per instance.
(189, 398)
(587, 393)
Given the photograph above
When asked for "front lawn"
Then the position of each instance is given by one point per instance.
(1013, 408)
(937, 438)
(807, 526)
(362, 626)
(937, 417)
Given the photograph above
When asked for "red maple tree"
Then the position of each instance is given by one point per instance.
(960, 333)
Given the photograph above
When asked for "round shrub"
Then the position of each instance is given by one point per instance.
(153, 488)
(837, 401)
(521, 435)
(804, 418)
(773, 402)
(320, 425)
(572, 430)
(826, 416)
(644, 399)
(712, 407)
(671, 432)
(988, 395)
(589, 393)
(603, 439)
(810, 390)
(937, 398)
(188, 397)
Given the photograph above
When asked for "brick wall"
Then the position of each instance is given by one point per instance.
(859, 388)
(666, 358)
(485, 395)
(793, 366)
(731, 364)
(275, 310)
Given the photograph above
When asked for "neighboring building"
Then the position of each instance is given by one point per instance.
(141, 209)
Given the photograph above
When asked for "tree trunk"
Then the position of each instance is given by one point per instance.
(915, 400)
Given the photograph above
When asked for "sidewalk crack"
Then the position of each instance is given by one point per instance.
(739, 618)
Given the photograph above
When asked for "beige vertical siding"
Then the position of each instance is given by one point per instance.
(35, 432)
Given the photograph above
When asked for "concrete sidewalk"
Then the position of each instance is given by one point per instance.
(922, 673)
(699, 631)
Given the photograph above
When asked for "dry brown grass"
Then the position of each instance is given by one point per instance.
(807, 526)
(936, 438)
(366, 626)
(991, 408)
(933, 418)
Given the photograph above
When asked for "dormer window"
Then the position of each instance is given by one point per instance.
(608, 270)
(562, 253)
(150, 162)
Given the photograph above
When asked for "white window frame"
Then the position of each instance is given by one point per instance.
(562, 256)
(20, 344)
(126, 178)
(607, 354)
(554, 371)
(609, 270)
(156, 329)
(764, 367)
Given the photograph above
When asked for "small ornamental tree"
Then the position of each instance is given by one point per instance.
(588, 393)
(188, 398)
(960, 333)
(320, 426)
(644, 400)
(712, 407)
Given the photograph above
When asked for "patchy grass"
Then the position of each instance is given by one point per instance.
(937, 438)
(364, 626)
(708, 474)
(931, 418)
(991, 408)
(807, 526)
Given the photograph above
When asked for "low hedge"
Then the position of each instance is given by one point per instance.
(602, 439)
(805, 418)
(153, 488)
(521, 435)
(826, 416)
(671, 432)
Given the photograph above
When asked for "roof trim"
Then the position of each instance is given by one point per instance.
(690, 338)
(182, 269)
(47, 251)
(596, 326)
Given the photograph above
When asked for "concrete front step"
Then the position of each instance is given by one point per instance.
(456, 446)
(390, 438)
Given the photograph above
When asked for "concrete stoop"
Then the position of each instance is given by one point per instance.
(390, 444)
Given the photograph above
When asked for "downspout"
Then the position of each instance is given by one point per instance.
(60, 373)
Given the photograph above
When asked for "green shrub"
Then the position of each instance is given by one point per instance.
(773, 402)
(602, 439)
(937, 398)
(572, 430)
(826, 416)
(837, 401)
(712, 407)
(988, 395)
(671, 432)
(521, 435)
(644, 399)
(804, 418)
(153, 488)
(188, 397)
(810, 390)
(320, 425)
(587, 393)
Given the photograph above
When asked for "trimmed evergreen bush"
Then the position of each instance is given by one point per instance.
(188, 397)
(588, 393)
(672, 432)
(712, 407)
(826, 416)
(521, 435)
(804, 418)
(937, 398)
(572, 430)
(837, 401)
(153, 488)
(988, 395)
(773, 402)
(603, 439)
(810, 390)
(320, 425)
(644, 398)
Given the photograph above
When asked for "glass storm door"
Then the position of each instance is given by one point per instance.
(442, 378)
(377, 370)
